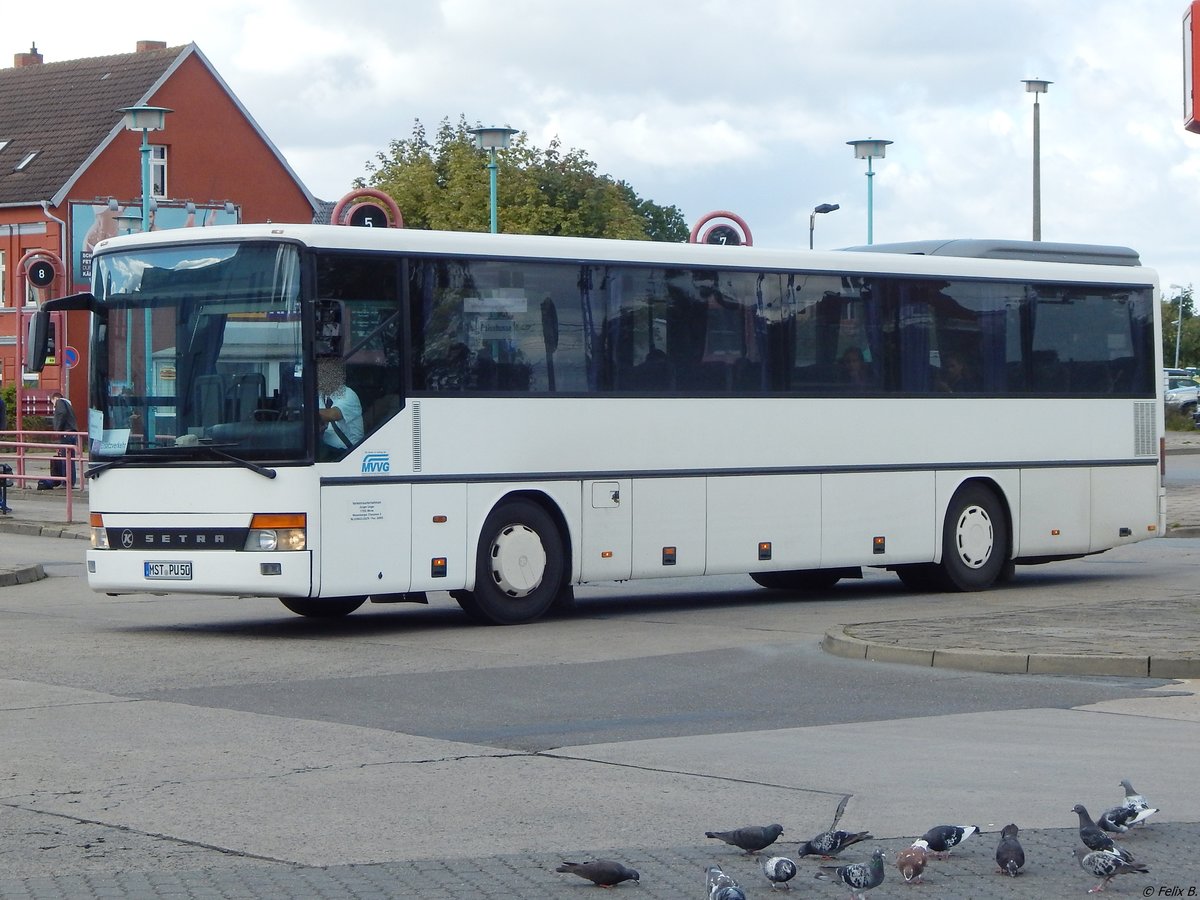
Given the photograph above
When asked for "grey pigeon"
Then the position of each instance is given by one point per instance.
(1107, 865)
(942, 838)
(750, 838)
(859, 877)
(911, 861)
(829, 844)
(1010, 855)
(1094, 838)
(1133, 799)
(722, 886)
(779, 871)
(601, 872)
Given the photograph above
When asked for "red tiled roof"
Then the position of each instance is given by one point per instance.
(64, 111)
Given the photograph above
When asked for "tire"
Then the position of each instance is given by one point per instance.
(974, 540)
(798, 579)
(328, 608)
(520, 568)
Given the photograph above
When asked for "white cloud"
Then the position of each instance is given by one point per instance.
(707, 105)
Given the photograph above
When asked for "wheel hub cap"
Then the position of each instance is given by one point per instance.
(974, 537)
(518, 560)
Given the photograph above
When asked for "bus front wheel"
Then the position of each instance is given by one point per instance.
(974, 540)
(328, 608)
(520, 567)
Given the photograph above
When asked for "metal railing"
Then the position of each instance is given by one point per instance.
(27, 451)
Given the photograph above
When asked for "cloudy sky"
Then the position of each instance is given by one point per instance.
(732, 106)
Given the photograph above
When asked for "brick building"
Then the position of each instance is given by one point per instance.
(69, 170)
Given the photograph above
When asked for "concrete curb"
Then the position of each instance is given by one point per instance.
(76, 531)
(10, 576)
(838, 642)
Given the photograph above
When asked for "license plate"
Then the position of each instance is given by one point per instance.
(169, 571)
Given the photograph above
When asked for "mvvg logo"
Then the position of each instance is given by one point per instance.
(374, 463)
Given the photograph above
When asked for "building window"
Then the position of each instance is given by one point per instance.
(3, 281)
(158, 170)
(19, 167)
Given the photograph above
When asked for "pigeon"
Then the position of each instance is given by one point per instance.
(859, 877)
(911, 861)
(829, 844)
(1010, 855)
(1107, 865)
(1133, 799)
(751, 838)
(601, 872)
(1119, 819)
(722, 886)
(1095, 839)
(779, 871)
(941, 838)
(1133, 811)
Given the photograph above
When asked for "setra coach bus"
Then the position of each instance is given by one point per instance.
(326, 414)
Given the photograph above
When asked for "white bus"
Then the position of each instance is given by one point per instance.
(537, 413)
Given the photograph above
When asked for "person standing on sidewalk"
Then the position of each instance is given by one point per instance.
(64, 421)
(5, 470)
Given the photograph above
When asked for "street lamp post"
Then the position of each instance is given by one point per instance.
(491, 140)
(812, 218)
(869, 149)
(145, 119)
(1179, 321)
(1036, 86)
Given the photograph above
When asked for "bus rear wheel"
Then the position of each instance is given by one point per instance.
(520, 568)
(974, 540)
(327, 608)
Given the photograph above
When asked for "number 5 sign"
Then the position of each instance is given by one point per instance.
(356, 209)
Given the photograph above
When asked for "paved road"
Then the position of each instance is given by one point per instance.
(220, 747)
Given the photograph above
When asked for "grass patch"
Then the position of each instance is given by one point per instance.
(1177, 421)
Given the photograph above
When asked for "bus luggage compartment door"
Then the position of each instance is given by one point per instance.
(366, 532)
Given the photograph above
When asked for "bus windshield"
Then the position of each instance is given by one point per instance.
(198, 346)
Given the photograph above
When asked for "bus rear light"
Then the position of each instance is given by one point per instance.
(98, 534)
(270, 532)
(879, 544)
(437, 567)
(764, 550)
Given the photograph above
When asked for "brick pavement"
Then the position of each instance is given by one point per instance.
(667, 873)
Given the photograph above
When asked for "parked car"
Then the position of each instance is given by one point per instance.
(1182, 394)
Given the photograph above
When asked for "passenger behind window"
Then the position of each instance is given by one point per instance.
(853, 370)
(956, 376)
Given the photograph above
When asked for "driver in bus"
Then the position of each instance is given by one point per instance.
(339, 408)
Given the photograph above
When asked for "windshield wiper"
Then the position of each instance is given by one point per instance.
(94, 470)
(254, 467)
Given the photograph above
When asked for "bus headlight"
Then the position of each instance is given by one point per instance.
(270, 532)
(99, 535)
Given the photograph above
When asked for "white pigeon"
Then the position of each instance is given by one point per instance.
(779, 871)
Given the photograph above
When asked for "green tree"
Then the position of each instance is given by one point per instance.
(1185, 332)
(444, 185)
